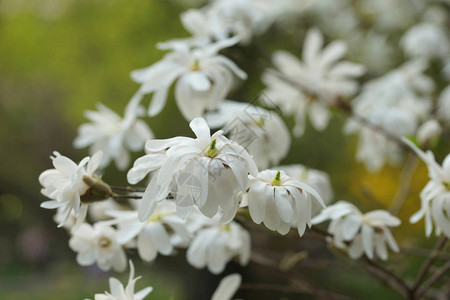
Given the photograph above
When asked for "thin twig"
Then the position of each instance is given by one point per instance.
(427, 264)
(121, 197)
(127, 189)
(405, 184)
(435, 277)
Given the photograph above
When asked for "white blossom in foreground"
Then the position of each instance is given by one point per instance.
(363, 233)
(262, 132)
(280, 201)
(426, 40)
(114, 135)
(318, 180)
(396, 102)
(155, 234)
(98, 244)
(207, 172)
(320, 78)
(65, 186)
(214, 246)
(227, 287)
(435, 197)
(203, 78)
(444, 104)
(119, 292)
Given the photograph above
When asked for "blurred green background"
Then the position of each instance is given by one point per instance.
(59, 58)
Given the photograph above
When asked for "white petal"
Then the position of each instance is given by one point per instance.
(227, 287)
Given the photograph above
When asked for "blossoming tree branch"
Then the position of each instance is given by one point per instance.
(206, 193)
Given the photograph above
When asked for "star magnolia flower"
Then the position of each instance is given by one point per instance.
(207, 172)
(66, 186)
(98, 244)
(262, 132)
(426, 40)
(279, 201)
(113, 135)
(318, 180)
(213, 247)
(203, 77)
(119, 292)
(153, 235)
(435, 197)
(365, 233)
(320, 78)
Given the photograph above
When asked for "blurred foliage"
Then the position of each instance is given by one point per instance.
(61, 57)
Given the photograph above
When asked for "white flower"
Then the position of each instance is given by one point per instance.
(395, 102)
(280, 201)
(98, 244)
(113, 135)
(203, 78)
(119, 292)
(65, 185)
(435, 197)
(98, 211)
(207, 172)
(318, 180)
(155, 234)
(426, 40)
(213, 247)
(444, 104)
(320, 79)
(227, 287)
(262, 132)
(364, 233)
(428, 131)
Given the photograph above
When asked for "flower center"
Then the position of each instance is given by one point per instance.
(212, 151)
(446, 185)
(104, 242)
(276, 181)
(261, 122)
(195, 66)
(225, 227)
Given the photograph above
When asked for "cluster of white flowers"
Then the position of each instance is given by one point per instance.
(364, 233)
(315, 83)
(197, 186)
(397, 103)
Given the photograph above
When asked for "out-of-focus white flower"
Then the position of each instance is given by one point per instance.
(154, 235)
(374, 50)
(214, 246)
(444, 104)
(318, 180)
(426, 40)
(114, 135)
(98, 244)
(66, 186)
(390, 15)
(435, 197)
(320, 78)
(98, 210)
(280, 201)
(428, 131)
(262, 132)
(203, 78)
(119, 292)
(364, 233)
(207, 172)
(227, 287)
(396, 102)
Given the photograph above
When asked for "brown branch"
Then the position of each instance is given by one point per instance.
(127, 189)
(426, 266)
(435, 277)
